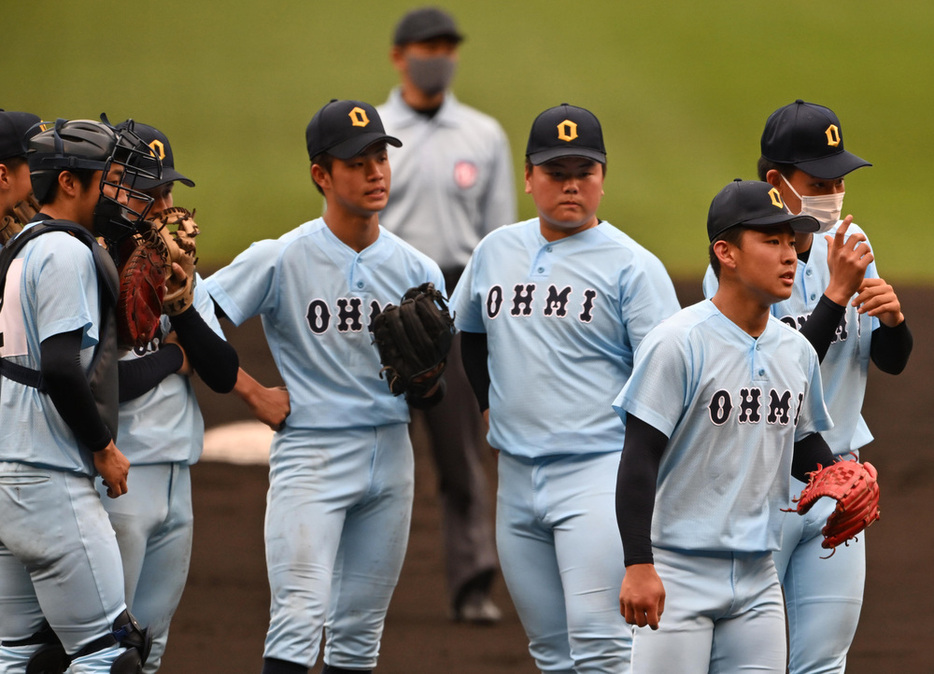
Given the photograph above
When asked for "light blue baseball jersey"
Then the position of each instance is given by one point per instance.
(51, 288)
(562, 320)
(732, 407)
(317, 297)
(452, 179)
(845, 367)
(164, 424)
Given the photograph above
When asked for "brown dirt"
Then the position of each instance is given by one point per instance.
(221, 622)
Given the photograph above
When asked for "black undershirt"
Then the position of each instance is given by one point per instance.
(474, 355)
(637, 480)
(889, 348)
(210, 355)
(68, 389)
(141, 374)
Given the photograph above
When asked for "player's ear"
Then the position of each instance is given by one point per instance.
(68, 183)
(774, 178)
(528, 177)
(319, 175)
(397, 58)
(725, 253)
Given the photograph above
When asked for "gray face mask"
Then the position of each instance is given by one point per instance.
(432, 75)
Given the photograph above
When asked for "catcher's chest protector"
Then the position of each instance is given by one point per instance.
(103, 370)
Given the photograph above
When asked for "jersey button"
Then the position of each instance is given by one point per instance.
(813, 296)
(359, 284)
(761, 373)
(548, 249)
(541, 270)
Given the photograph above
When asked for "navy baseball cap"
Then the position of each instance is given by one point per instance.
(752, 203)
(810, 137)
(16, 128)
(344, 129)
(565, 131)
(159, 144)
(426, 23)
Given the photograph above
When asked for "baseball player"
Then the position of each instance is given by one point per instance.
(61, 582)
(723, 405)
(551, 311)
(452, 184)
(341, 468)
(15, 185)
(851, 316)
(161, 432)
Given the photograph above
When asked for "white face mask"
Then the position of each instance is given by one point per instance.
(825, 208)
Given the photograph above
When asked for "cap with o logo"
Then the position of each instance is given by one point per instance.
(344, 129)
(159, 144)
(16, 128)
(565, 131)
(752, 203)
(809, 137)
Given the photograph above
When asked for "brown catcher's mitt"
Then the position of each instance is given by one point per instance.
(142, 286)
(23, 212)
(413, 340)
(855, 487)
(178, 229)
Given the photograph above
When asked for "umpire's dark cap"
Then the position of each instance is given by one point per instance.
(752, 203)
(565, 131)
(810, 137)
(16, 128)
(426, 23)
(344, 129)
(159, 144)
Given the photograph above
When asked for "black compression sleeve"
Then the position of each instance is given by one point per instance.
(821, 326)
(636, 484)
(69, 390)
(212, 357)
(474, 354)
(141, 374)
(891, 347)
(808, 453)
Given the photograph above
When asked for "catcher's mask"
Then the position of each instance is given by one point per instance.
(97, 146)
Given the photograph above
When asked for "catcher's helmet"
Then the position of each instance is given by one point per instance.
(96, 146)
(76, 144)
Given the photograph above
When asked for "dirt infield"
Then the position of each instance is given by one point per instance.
(222, 619)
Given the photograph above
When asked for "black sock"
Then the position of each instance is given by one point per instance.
(276, 666)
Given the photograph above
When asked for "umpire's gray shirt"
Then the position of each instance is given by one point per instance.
(452, 179)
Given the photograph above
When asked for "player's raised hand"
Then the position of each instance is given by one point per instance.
(113, 467)
(877, 298)
(847, 259)
(642, 596)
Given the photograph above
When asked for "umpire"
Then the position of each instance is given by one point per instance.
(452, 183)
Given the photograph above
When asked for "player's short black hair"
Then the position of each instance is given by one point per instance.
(528, 166)
(325, 161)
(85, 178)
(765, 165)
(733, 235)
(13, 163)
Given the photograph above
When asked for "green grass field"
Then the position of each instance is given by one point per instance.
(682, 88)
